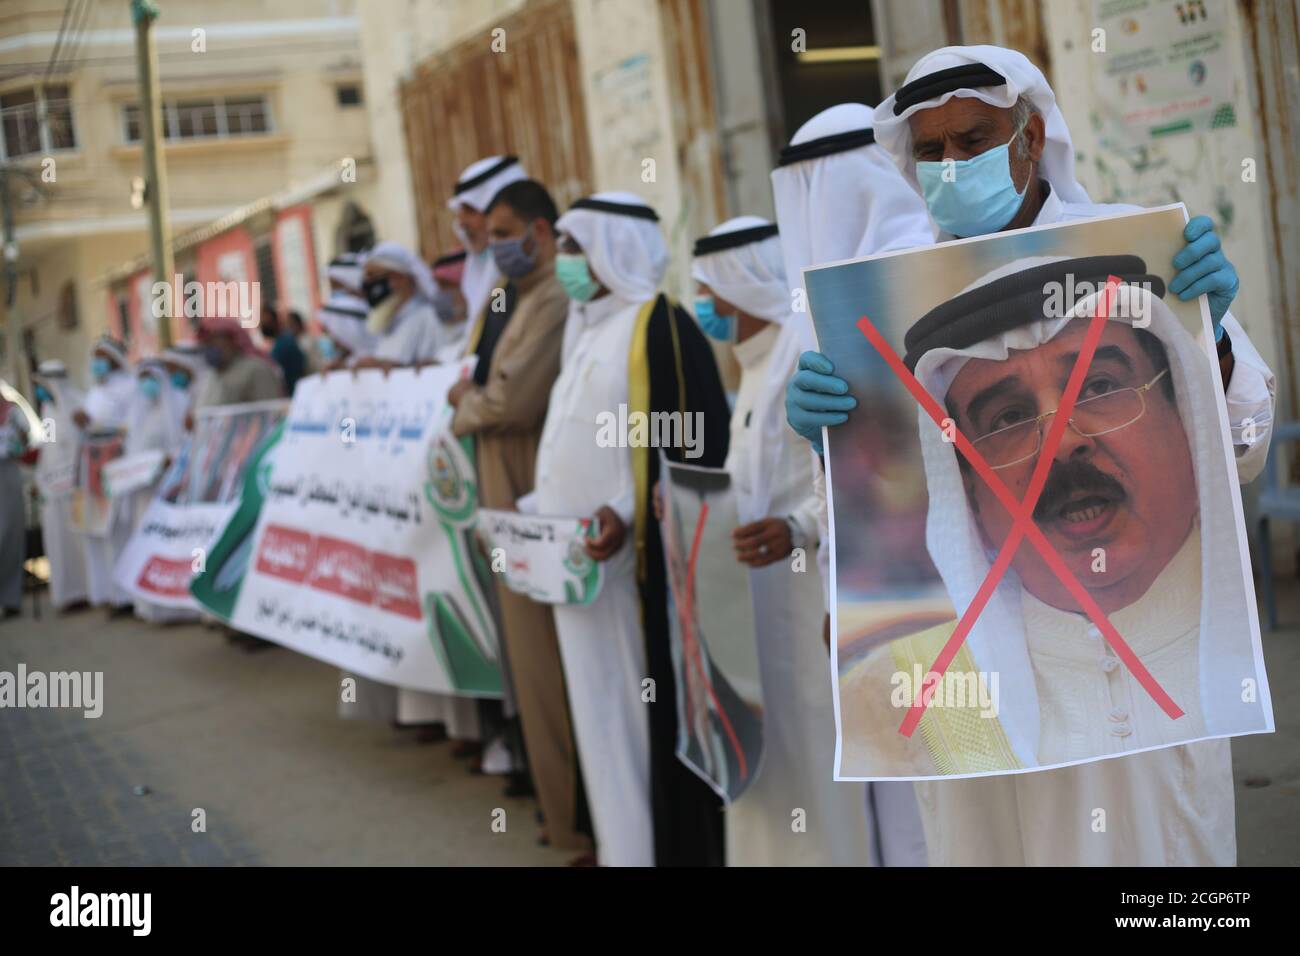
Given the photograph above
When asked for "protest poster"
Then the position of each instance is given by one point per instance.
(130, 473)
(353, 539)
(194, 500)
(711, 620)
(92, 509)
(1014, 590)
(542, 557)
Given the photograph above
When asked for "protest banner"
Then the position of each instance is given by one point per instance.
(711, 618)
(1039, 553)
(541, 557)
(353, 540)
(194, 500)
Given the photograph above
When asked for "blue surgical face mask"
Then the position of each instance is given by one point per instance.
(977, 197)
(180, 379)
(100, 367)
(325, 345)
(572, 271)
(213, 355)
(150, 387)
(42, 395)
(715, 326)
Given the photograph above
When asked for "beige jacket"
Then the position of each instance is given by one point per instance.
(508, 412)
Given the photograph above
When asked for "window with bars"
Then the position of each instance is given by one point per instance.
(213, 117)
(36, 120)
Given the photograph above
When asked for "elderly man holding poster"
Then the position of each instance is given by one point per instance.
(977, 132)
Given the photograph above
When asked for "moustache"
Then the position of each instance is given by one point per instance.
(1072, 479)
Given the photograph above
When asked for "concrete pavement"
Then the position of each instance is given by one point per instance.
(254, 740)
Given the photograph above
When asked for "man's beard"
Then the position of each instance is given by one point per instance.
(1073, 489)
(381, 316)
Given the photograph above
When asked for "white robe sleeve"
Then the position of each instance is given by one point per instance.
(823, 527)
(1250, 398)
(623, 503)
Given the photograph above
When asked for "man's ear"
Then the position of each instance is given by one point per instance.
(1035, 136)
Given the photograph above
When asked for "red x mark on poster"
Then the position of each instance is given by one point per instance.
(1022, 514)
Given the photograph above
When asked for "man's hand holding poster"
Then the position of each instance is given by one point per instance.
(1040, 558)
(354, 542)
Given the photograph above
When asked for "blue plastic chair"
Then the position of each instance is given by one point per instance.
(1276, 500)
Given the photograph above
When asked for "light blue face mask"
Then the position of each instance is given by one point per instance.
(977, 197)
(715, 326)
(100, 367)
(150, 387)
(325, 346)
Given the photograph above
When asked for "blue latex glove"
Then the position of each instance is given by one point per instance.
(1203, 269)
(815, 398)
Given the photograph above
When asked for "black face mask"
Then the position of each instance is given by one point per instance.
(377, 290)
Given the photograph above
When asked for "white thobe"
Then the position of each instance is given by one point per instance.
(415, 335)
(107, 403)
(477, 282)
(602, 645)
(1177, 803)
(14, 436)
(798, 766)
(63, 544)
(156, 426)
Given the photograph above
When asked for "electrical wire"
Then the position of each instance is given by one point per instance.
(58, 40)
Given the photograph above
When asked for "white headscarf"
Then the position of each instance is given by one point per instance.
(845, 204)
(752, 278)
(348, 270)
(476, 189)
(627, 254)
(107, 401)
(112, 347)
(343, 317)
(59, 456)
(397, 258)
(155, 424)
(1022, 79)
(997, 640)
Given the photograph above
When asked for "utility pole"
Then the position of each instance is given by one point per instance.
(143, 14)
(14, 344)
